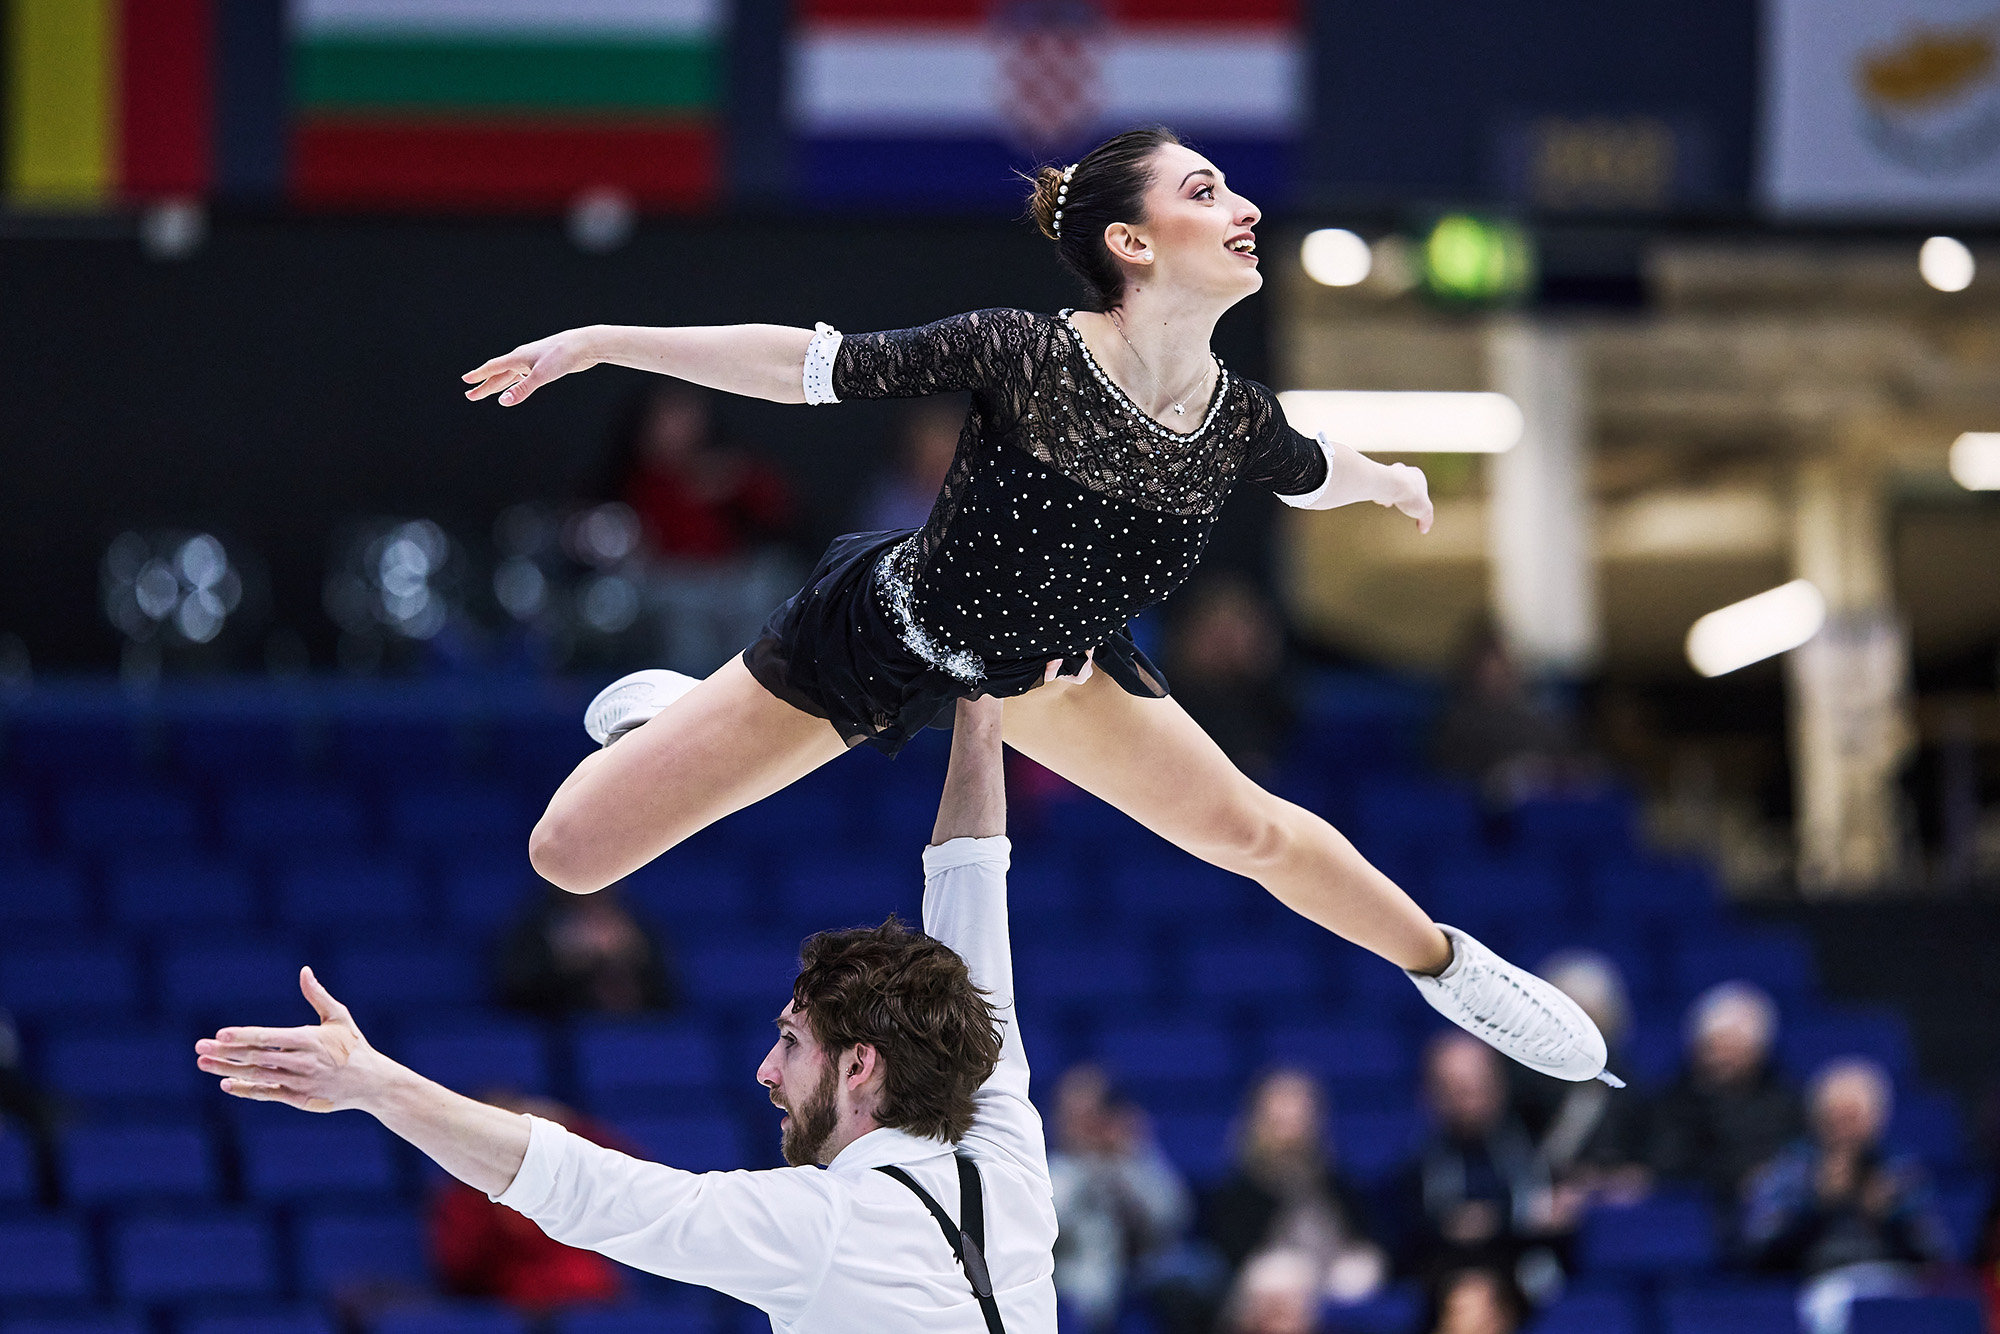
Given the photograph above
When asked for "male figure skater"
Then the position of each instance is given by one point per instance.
(900, 1070)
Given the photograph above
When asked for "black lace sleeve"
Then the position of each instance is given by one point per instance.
(985, 349)
(1279, 457)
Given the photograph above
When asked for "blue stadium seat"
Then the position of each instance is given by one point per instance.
(1664, 1235)
(1370, 1145)
(385, 978)
(111, 1322)
(1589, 1313)
(237, 744)
(404, 743)
(1606, 824)
(692, 1143)
(1775, 958)
(17, 1168)
(1192, 1050)
(1393, 1310)
(1196, 1142)
(1926, 1122)
(107, 1163)
(1627, 889)
(44, 1259)
(619, 1056)
(182, 893)
(124, 1068)
(340, 1252)
(352, 894)
(1404, 815)
(175, 1259)
(758, 977)
(1806, 1043)
(684, 1318)
(69, 979)
(1230, 971)
(1043, 895)
(1340, 1052)
(538, 752)
(452, 1318)
(1055, 973)
(18, 835)
(67, 739)
(481, 1057)
(1917, 1315)
(1478, 894)
(243, 982)
(484, 894)
(40, 894)
(831, 892)
(292, 819)
(684, 892)
(1963, 1203)
(315, 1158)
(1730, 1308)
(452, 816)
(1180, 890)
(122, 819)
(267, 1320)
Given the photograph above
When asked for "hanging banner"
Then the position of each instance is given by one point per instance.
(1882, 107)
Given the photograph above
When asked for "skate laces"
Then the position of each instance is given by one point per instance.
(1501, 1004)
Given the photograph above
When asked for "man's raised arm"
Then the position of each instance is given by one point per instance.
(965, 906)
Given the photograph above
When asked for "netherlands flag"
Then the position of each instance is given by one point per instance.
(933, 103)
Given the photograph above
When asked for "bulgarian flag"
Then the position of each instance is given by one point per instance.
(936, 101)
(505, 103)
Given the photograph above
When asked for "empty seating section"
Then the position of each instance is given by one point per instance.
(167, 867)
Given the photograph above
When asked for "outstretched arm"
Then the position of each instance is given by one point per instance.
(755, 360)
(330, 1067)
(974, 804)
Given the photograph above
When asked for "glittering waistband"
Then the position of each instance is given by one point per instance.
(896, 579)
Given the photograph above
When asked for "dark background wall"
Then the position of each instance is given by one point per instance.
(293, 373)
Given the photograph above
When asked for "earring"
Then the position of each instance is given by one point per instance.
(1145, 254)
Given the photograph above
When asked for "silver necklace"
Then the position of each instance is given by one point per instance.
(1180, 408)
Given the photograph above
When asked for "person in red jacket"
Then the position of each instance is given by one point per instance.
(483, 1249)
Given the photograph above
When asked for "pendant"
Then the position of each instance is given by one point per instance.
(1180, 409)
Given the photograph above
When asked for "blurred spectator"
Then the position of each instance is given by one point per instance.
(1475, 1301)
(584, 952)
(1496, 733)
(696, 497)
(1478, 1195)
(1836, 1211)
(486, 1250)
(1278, 1292)
(25, 1105)
(1284, 1193)
(1119, 1202)
(1226, 659)
(1591, 1138)
(903, 498)
(713, 518)
(1729, 1111)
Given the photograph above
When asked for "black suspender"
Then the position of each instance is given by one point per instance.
(968, 1243)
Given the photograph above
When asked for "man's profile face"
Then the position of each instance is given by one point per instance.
(803, 1082)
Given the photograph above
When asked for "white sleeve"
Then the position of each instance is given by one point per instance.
(1350, 476)
(820, 352)
(965, 906)
(766, 1238)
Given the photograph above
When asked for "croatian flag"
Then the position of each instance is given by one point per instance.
(934, 103)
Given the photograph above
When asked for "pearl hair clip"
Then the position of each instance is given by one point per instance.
(1062, 196)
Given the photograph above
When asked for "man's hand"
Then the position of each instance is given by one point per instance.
(325, 1068)
(974, 804)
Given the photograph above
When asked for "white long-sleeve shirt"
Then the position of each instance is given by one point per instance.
(846, 1248)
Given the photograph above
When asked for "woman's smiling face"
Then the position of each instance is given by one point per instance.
(1198, 229)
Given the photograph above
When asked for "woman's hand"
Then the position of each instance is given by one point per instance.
(530, 366)
(1052, 674)
(325, 1068)
(1408, 490)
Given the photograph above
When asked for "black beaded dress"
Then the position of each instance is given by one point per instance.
(1066, 512)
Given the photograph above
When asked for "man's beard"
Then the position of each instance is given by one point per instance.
(812, 1122)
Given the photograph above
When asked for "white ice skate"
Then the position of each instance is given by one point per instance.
(1516, 1012)
(632, 700)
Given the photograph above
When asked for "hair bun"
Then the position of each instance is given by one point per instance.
(1044, 201)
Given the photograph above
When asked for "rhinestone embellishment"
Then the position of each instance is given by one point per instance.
(896, 578)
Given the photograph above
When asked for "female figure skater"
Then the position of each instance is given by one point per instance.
(1098, 450)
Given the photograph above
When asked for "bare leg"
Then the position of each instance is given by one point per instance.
(722, 746)
(1153, 762)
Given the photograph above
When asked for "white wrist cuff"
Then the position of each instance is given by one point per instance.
(820, 352)
(1320, 497)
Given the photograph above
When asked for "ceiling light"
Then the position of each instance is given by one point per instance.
(1335, 257)
(1946, 264)
(1760, 627)
(1407, 422)
(1975, 460)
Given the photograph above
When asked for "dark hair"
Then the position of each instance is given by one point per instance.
(911, 998)
(1108, 185)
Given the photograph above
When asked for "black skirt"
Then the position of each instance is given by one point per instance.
(832, 651)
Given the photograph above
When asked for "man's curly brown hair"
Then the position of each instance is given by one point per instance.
(911, 998)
